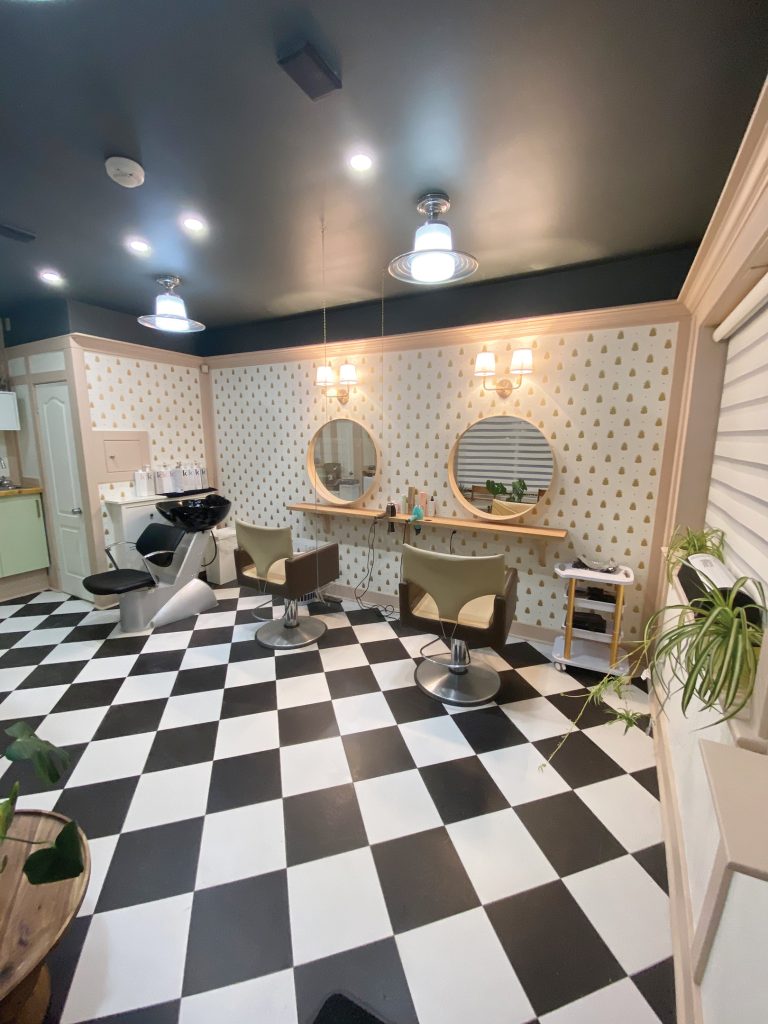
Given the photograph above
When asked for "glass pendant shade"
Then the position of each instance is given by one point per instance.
(433, 260)
(430, 264)
(485, 364)
(522, 361)
(324, 376)
(170, 312)
(348, 374)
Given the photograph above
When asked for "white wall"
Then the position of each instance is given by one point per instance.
(600, 397)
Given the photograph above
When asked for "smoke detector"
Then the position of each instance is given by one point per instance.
(124, 171)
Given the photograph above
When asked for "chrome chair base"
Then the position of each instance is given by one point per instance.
(290, 631)
(454, 679)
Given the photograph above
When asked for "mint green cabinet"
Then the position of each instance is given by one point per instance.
(23, 545)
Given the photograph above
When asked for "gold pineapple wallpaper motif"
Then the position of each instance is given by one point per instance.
(138, 394)
(600, 398)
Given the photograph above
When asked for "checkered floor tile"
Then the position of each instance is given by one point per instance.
(267, 829)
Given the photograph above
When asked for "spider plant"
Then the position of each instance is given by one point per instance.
(685, 541)
(709, 647)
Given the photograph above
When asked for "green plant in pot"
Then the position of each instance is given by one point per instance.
(515, 491)
(52, 862)
(705, 651)
(685, 542)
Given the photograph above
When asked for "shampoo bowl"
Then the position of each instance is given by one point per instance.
(195, 514)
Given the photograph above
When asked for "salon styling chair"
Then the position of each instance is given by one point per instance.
(167, 588)
(265, 561)
(470, 601)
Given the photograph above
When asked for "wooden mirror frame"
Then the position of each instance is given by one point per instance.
(319, 487)
(473, 509)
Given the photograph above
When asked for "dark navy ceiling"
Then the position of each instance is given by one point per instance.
(565, 131)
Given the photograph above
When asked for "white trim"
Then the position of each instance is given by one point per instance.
(751, 304)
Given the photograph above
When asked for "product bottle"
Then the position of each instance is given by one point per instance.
(203, 478)
(177, 480)
(139, 483)
(196, 485)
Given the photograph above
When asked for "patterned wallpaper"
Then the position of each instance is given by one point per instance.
(600, 398)
(137, 394)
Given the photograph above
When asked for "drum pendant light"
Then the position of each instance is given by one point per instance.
(170, 311)
(433, 260)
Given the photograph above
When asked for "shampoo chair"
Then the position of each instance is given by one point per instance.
(167, 588)
(265, 562)
(468, 600)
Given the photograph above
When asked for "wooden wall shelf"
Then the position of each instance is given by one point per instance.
(542, 533)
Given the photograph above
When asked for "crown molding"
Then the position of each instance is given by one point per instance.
(651, 313)
(733, 254)
(129, 350)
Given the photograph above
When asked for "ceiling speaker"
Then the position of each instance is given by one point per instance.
(311, 72)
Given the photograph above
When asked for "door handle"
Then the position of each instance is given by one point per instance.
(77, 511)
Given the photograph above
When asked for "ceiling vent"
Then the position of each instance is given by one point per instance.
(310, 71)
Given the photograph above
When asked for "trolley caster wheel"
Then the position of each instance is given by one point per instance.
(559, 666)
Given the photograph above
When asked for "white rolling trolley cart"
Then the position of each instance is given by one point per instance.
(598, 651)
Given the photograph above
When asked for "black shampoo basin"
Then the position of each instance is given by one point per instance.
(195, 514)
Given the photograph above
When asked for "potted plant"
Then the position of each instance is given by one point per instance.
(515, 491)
(63, 858)
(705, 648)
(36, 848)
(685, 542)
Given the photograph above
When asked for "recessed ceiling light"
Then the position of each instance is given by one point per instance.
(360, 162)
(138, 246)
(52, 277)
(194, 224)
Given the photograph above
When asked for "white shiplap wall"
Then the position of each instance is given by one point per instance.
(738, 495)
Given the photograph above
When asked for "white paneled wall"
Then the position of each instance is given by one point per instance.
(738, 496)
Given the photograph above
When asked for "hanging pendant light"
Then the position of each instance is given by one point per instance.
(170, 312)
(433, 259)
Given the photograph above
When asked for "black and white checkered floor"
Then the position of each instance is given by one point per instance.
(266, 830)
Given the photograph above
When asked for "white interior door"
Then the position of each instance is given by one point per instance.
(62, 487)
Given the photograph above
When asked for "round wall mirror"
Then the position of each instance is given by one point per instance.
(501, 467)
(343, 462)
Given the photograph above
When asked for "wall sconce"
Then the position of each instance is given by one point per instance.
(325, 379)
(521, 366)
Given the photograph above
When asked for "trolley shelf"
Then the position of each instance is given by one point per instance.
(590, 655)
(586, 648)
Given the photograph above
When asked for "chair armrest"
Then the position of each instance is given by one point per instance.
(309, 570)
(117, 544)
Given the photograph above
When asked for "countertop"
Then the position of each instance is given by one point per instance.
(20, 490)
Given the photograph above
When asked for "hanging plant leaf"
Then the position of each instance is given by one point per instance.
(55, 863)
(48, 761)
(7, 809)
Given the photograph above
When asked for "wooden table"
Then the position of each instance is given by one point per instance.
(33, 919)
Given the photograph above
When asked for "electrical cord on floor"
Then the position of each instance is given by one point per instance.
(363, 586)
